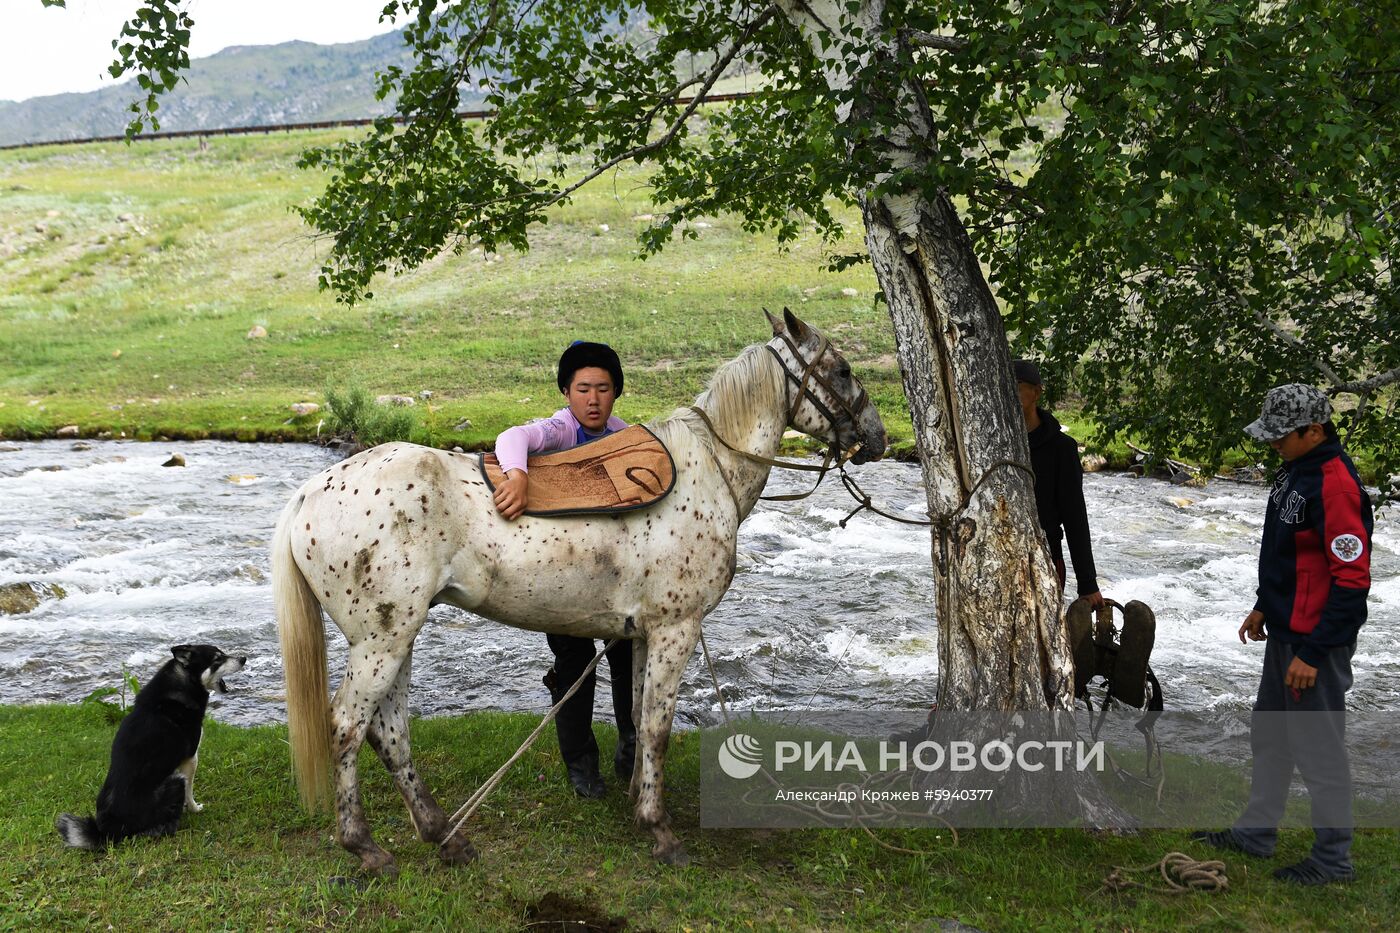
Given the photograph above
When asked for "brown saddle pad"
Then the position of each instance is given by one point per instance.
(629, 469)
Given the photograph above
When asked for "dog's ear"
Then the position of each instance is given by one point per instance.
(183, 653)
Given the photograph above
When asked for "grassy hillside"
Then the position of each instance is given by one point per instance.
(130, 277)
(253, 860)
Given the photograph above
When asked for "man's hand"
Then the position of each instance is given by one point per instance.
(1095, 599)
(1300, 676)
(512, 494)
(1253, 626)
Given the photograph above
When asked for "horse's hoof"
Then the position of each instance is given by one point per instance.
(380, 866)
(457, 851)
(672, 855)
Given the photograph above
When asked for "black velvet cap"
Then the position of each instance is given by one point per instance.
(582, 354)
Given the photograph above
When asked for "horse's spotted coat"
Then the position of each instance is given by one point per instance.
(650, 575)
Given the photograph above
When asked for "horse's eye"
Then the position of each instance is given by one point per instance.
(844, 372)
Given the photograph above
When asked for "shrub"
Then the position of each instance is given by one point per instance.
(355, 415)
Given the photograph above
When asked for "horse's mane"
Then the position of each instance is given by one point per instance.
(748, 383)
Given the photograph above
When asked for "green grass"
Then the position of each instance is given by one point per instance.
(139, 326)
(252, 859)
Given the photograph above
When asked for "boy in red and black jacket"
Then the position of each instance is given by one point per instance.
(1314, 576)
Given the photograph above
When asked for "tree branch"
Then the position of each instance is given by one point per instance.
(1367, 386)
(1319, 363)
(929, 40)
(666, 138)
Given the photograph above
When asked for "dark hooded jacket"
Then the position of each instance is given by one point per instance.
(1315, 557)
(1059, 498)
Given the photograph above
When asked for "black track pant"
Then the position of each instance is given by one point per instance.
(575, 720)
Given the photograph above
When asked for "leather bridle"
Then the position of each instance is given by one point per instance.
(848, 414)
(849, 410)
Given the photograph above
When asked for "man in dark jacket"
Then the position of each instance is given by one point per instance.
(1314, 576)
(1059, 486)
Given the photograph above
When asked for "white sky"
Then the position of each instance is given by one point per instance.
(52, 50)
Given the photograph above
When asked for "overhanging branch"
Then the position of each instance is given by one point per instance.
(930, 40)
(1318, 362)
(675, 127)
(1367, 386)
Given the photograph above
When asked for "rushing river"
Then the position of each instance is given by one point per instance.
(818, 616)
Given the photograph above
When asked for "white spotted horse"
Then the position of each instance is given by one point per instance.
(379, 538)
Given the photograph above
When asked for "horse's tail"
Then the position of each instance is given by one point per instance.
(303, 638)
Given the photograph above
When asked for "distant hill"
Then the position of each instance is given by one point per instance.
(294, 82)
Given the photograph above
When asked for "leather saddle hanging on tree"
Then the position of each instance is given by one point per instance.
(1121, 657)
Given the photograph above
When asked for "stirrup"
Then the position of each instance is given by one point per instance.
(1134, 649)
(1079, 621)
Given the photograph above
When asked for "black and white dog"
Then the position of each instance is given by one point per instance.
(155, 752)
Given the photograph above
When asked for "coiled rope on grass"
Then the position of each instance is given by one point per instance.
(1180, 872)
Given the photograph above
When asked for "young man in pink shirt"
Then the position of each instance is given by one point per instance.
(590, 377)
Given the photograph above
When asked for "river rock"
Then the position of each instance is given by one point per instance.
(175, 460)
(10, 449)
(462, 425)
(81, 446)
(850, 292)
(19, 598)
(68, 430)
(257, 333)
(1093, 463)
(399, 400)
(302, 409)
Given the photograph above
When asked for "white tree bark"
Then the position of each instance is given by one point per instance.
(1002, 644)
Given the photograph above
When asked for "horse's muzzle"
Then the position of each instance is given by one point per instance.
(867, 451)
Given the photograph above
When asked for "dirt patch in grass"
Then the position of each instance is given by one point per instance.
(558, 913)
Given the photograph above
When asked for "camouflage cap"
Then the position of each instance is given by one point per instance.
(1287, 408)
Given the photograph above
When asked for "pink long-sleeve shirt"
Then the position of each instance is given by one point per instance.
(557, 432)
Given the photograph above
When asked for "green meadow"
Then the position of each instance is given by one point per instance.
(130, 278)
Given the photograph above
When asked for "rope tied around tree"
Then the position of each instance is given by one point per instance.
(1180, 873)
(943, 525)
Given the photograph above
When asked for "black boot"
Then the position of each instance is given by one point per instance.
(574, 721)
(620, 669)
(584, 776)
(625, 757)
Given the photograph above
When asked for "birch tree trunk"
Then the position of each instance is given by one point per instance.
(1002, 644)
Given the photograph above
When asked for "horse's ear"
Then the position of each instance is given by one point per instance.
(775, 322)
(794, 326)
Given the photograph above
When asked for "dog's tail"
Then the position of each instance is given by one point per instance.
(303, 639)
(80, 832)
